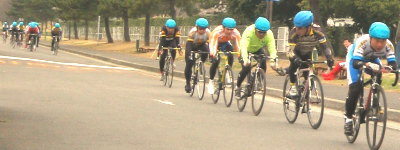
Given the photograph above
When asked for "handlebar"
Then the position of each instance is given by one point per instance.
(229, 52)
(170, 48)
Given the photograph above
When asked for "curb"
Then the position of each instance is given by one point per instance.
(393, 115)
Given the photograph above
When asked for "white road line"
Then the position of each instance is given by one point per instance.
(66, 64)
(164, 102)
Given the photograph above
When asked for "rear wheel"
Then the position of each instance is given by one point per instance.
(166, 71)
(215, 95)
(291, 106)
(201, 78)
(315, 102)
(244, 88)
(376, 118)
(258, 93)
(55, 49)
(228, 86)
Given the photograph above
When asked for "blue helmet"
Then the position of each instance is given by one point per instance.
(170, 23)
(229, 23)
(33, 25)
(303, 19)
(21, 23)
(57, 25)
(262, 24)
(202, 23)
(379, 30)
(5, 23)
(14, 23)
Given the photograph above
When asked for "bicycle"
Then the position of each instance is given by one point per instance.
(12, 39)
(255, 84)
(32, 42)
(55, 46)
(168, 74)
(198, 76)
(19, 40)
(225, 80)
(312, 105)
(373, 111)
(4, 37)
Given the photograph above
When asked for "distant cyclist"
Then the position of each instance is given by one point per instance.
(31, 29)
(21, 28)
(170, 37)
(56, 31)
(14, 29)
(5, 28)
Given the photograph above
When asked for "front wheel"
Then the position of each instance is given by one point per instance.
(291, 106)
(258, 93)
(356, 125)
(170, 72)
(315, 102)
(376, 118)
(215, 95)
(244, 90)
(193, 78)
(201, 78)
(228, 86)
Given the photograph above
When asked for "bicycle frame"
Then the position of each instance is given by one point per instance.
(224, 58)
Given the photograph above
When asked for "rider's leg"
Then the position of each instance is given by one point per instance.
(189, 62)
(213, 69)
(204, 48)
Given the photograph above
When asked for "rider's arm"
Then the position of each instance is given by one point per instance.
(237, 40)
(213, 43)
(177, 36)
(292, 44)
(244, 43)
(323, 43)
(391, 58)
(270, 40)
(163, 35)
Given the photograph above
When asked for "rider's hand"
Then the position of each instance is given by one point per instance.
(330, 62)
(274, 63)
(374, 67)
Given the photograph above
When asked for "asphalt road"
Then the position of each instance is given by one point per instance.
(61, 104)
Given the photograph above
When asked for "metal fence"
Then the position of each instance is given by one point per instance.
(137, 33)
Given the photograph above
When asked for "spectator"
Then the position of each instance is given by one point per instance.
(340, 65)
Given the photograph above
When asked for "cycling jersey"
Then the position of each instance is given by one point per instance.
(250, 43)
(197, 38)
(218, 36)
(56, 31)
(21, 28)
(301, 45)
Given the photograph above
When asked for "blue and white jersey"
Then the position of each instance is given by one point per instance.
(362, 50)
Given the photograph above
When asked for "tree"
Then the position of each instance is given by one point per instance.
(105, 10)
(121, 8)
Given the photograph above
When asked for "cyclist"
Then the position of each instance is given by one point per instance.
(21, 27)
(31, 29)
(5, 28)
(56, 31)
(220, 40)
(366, 52)
(170, 36)
(39, 34)
(254, 38)
(303, 38)
(197, 40)
(14, 31)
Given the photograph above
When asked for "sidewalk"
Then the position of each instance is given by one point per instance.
(334, 93)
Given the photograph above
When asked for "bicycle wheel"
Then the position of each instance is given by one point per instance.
(291, 107)
(193, 79)
(376, 118)
(201, 78)
(356, 124)
(215, 95)
(55, 48)
(166, 71)
(315, 102)
(228, 86)
(244, 88)
(258, 93)
(170, 72)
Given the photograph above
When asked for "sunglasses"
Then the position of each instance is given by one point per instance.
(201, 28)
(261, 32)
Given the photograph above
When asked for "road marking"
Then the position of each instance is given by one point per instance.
(67, 64)
(164, 102)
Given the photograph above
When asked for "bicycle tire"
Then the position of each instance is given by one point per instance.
(290, 103)
(259, 82)
(201, 78)
(55, 48)
(356, 124)
(166, 70)
(170, 73)
(241, 103)
(228, 86)
(217, 92)
(315, 84)
(375, 116)
(193, 79)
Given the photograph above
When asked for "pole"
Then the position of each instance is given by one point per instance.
(98, 31)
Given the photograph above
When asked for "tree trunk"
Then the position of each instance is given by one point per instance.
(76, 30)
(147, 30)
(45, 28)
(172, 9)
(86, 29)
(126, 25)
(108, 33)
(69, 30)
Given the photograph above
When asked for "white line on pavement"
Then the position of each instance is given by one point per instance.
(164, 102)
(67, 64)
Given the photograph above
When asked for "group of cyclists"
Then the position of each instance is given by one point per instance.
(303, 39)
(18, 30)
